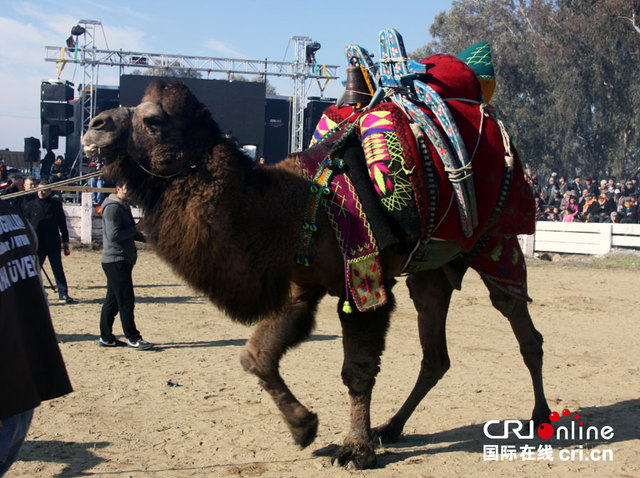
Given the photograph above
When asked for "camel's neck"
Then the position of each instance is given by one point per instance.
(231, 230)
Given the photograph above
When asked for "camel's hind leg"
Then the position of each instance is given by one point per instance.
(431, 293)
(268, 343)
(530, 341)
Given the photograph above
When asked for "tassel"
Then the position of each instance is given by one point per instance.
(346, 307)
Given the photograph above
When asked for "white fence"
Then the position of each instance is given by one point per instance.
(581, 238)
(85, 225)
(84, 222)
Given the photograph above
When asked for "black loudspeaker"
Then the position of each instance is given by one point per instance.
(50, 133)
(49, 111)
(62, 127)
(72, 146)
(31, 149)
(52, 91)
(276, 129)
(65, 127)
(55, 111)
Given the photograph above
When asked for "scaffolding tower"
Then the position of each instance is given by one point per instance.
(89, 73)
(90, 58)
(300, 70)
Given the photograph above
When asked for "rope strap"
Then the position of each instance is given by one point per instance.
(318, 189)
(55, 185)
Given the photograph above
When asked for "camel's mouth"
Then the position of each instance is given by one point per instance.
(92, 150)
(107, 133)
(99, 151)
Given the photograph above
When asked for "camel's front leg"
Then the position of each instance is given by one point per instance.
(268, 343)
(363, 341)
(431, 294)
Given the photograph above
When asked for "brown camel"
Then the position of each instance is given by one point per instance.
(231, 229)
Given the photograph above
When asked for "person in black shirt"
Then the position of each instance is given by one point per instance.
(47, 217)
(59, 170)
(17, 185)
(31, 366)
(47, 162)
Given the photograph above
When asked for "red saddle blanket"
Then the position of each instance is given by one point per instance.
(458, 86)
(414, 187)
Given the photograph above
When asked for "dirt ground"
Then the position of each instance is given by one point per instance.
(186, 408)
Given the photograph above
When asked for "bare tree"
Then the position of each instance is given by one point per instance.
(567, 81)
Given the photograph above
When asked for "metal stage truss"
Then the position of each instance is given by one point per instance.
(90, 58)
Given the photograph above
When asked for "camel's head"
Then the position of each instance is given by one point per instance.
(165, 134)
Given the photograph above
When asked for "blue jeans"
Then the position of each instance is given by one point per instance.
(97, 183)
(12, 433)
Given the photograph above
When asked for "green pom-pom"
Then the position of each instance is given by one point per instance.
(346, 307)
(478, 57)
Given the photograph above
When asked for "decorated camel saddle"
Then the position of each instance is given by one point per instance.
(415, 158)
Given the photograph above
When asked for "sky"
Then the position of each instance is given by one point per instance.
(239, 29)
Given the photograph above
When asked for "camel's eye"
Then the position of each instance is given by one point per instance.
(154, 123)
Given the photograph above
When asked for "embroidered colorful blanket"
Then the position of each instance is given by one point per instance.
(500, 261)
(389, 143)
(332, 188)
(411, 183)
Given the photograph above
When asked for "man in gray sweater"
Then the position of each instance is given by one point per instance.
(119, 254)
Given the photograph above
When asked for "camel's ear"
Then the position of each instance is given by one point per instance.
(204, 124)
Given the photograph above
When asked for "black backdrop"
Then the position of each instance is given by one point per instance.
(238, 106)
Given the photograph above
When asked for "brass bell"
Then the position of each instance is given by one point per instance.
(356, 91)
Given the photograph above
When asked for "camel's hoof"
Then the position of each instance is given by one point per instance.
(386, 433)
(305, 432)
(355, 456)
(540, 417)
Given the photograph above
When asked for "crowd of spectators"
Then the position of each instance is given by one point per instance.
(585, 199)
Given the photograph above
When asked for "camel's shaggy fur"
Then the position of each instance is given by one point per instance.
(227, 236)
(231, 228)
